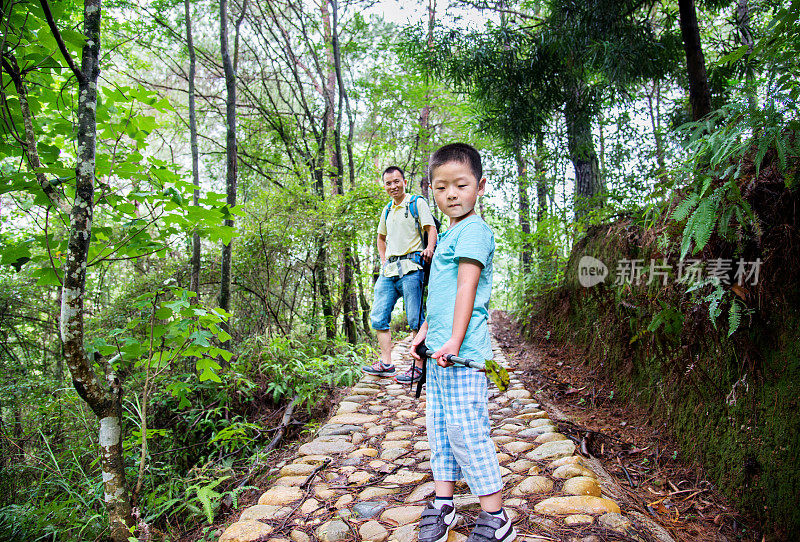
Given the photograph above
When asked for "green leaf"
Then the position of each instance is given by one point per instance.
(734, 317)
(16, 255)
(46, 277)
(682, 210)
(734, 55)
(703, 221)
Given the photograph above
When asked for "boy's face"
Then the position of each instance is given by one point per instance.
(394, 184)
(456, 190)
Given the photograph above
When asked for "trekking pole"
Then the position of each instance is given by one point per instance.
(496, 373)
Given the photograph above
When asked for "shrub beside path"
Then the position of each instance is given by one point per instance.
(366, 475)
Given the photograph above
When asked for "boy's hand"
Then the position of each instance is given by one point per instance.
(427, 254)
(450, 347)
(419, 338)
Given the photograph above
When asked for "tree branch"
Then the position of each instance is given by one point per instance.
(60, 41)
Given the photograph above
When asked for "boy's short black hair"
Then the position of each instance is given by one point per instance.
(457, 152)
(393, 168)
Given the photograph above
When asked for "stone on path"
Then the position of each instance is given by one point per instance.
(519, 447)
(533, 484)
(246, 531)
(407, 477)
(405, 534)
(362, 390)
(278, 495)
(299, 536)
(354, 418)
(343, 501)
(333, 531)
(264, 511)
(390, 454)
(402, 515)
(576, 505)
(346, 407)
(399, 435)
(310, 506)
(373, 531)
(317, 447)
(538, 430)
(539, 422)
(336, 429)
(421, 492)
(313, 459)
(297, 469)
(578, 519)
(361, 452)
(571, 471)
(552, 450)
(549, 437)
(369, 509)
(288, 481)
(571, 460)
(356, 398)
(581, 485)
(521, 465)
(615, 521)
(372, 492)
(388, 444)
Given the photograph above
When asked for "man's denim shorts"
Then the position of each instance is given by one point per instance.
(388, 290)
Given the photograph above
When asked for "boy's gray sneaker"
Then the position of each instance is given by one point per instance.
(378, 369)
(433, 525)
(489, 528)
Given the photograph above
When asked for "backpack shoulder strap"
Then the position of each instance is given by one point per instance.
(412, 205)
(386, 211)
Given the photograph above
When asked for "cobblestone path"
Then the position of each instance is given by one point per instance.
(366, 475)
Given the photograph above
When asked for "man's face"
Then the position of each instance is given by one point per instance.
(394, 184)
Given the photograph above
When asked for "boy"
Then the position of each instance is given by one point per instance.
(457, 311)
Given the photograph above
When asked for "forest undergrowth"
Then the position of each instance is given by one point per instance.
(715, 361)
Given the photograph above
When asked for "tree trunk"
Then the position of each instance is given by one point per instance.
(524, 209)
(425, 114)
(362, 298)
(328, 90)
(231, 158)
(324, 291)
(588, 185)
(746, 37)
(105, 399)
(350, 301)
(541, 179)
(653, 101)
(194, 282)
(699, 92)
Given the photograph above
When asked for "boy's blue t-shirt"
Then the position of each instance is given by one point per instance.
(470, 238)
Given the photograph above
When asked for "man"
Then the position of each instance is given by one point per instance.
(401, 252)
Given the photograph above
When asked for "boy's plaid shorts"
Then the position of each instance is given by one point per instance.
(457, 419)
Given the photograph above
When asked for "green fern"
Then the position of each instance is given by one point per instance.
(734, 317)
(237, 491)
(682, 211)
(209, 499)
